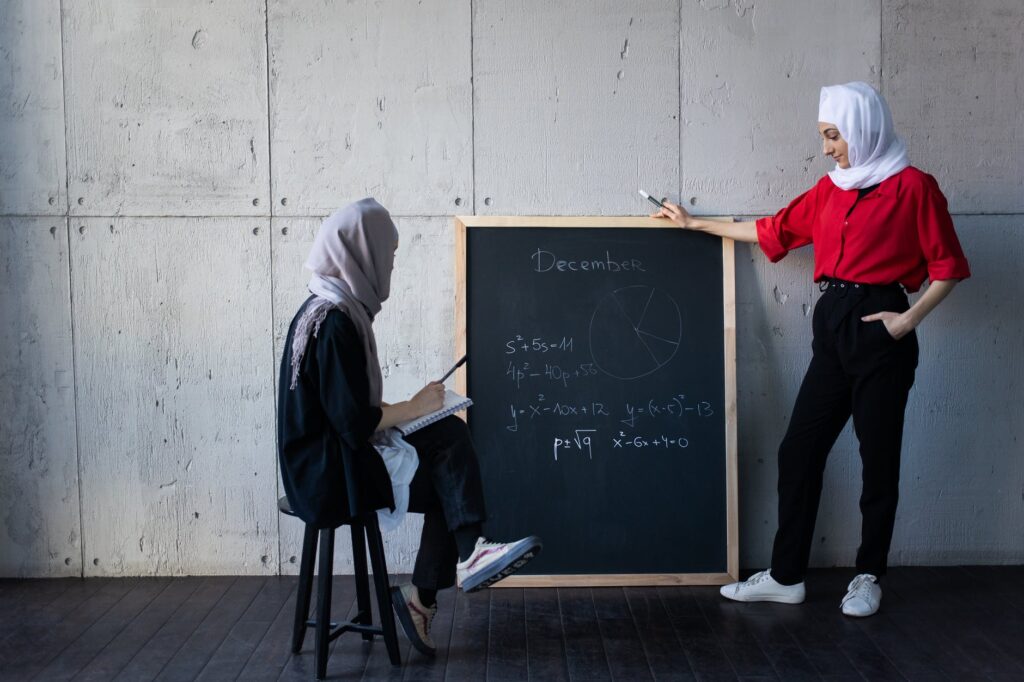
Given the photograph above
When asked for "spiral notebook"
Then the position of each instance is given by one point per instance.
(453, 402)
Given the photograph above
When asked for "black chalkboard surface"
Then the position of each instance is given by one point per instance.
(601, 366)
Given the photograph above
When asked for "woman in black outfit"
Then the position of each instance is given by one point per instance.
(330, 401)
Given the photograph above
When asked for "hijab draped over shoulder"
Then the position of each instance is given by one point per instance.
(860, 113)
(351, 260)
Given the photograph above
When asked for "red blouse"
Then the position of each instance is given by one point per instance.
(899, 232)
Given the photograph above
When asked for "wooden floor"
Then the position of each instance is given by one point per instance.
(935, 624)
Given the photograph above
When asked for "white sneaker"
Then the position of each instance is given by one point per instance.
(492, 561)
(763, 587)
(863, 598)
(414, 617)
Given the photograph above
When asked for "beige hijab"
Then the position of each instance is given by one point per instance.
(351, 259)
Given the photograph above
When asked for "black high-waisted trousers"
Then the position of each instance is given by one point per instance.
(448, 491)
(857, 369)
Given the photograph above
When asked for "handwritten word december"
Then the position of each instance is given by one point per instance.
(546, 261)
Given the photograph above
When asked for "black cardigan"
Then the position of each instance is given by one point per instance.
(328, 413)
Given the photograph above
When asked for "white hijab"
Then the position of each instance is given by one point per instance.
(351, 260)
(876, 152)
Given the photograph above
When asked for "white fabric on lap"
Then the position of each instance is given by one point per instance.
(401, 461)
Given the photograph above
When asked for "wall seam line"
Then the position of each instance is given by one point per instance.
(472, 102)
(679, 101)
(270, 260)
(881, 48)
(321, 216)
(71, 295)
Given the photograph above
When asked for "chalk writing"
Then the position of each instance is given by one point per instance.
(677, 407)
(581, 441)
(639, 442)
(546, 261)
(547, 372)
(537, 345)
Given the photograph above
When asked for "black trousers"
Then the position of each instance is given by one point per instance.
(857, 369)
(448, 491)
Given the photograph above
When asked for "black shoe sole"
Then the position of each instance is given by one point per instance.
(405, 618)
(531, 547)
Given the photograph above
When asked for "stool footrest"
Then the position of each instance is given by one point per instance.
(338, 629)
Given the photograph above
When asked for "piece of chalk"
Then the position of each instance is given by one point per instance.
(651, 199)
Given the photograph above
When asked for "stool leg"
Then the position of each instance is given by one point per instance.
(365, 615)
(380, 581)
(323, 601)
(305, 588)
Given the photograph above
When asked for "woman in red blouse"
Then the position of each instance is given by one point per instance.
(880, 228)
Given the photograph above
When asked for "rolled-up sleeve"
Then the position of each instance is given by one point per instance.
(344, 384)
(790, 228)
(939, 243)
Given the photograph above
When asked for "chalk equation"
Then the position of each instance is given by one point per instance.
(518, 373)
(582, 441)
(640, 442)
(556, 409)
(678, 407)
(537, 344)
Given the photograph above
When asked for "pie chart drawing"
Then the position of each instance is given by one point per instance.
(635, 331)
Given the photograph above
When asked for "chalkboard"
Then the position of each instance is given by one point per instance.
(602, 370)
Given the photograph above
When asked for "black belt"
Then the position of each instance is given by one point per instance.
(843, 286)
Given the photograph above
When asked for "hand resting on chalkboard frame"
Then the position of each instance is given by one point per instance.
(737, 231)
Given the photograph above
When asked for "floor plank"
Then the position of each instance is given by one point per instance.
(727, 620)
(196, 651)
(122, 648)
(666, 659)
(147, 663)
(274, 648)
(36, 650)
(243, 638)
(622, 643)
(93, 640)
(507, 657)
(584, 648)
(707, 658)
(467, 649)
(545, 640)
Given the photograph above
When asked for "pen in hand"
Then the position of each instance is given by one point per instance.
(458, 364)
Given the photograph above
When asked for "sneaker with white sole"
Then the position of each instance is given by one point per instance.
(414, 617)
(863, 596)
(763, 587)
(492, 561)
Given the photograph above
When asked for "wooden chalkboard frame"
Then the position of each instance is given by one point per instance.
(464, 223)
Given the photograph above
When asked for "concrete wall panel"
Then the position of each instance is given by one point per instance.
(954, 77)
(39, 519)
(371, 98)
(167, 107)
(575, 106)
(749, 81)
(176, 417)
(415, 339)
(33, 170)
(962, 480)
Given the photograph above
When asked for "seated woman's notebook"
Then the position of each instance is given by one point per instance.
(453, 402)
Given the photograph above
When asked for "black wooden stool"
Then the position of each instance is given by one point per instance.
(364, 530)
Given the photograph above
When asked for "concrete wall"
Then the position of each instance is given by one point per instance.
(163, 167)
